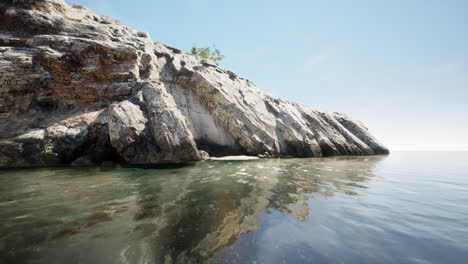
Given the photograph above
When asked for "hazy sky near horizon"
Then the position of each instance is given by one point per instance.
(399, 66)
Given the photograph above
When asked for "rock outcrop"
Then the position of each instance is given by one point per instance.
(79, 88)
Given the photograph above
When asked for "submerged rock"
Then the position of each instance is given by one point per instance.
(77, 86)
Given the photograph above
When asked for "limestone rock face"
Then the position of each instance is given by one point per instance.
(76, 87)
(127, 125)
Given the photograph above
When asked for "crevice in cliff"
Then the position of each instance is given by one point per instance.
(358, 147)
(327, 144)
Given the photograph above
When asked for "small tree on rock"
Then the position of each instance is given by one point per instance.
(207, 53)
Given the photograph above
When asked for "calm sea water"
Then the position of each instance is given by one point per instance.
(409, 207)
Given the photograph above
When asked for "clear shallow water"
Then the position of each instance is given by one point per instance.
(409, 207)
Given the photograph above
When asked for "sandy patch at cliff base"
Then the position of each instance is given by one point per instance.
(242, 157)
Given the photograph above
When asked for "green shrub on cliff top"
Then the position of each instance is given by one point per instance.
(207, 53)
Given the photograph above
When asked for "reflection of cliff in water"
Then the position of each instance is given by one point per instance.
(189, 216)
(172, 215)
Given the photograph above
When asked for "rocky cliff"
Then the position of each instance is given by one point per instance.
(79, 88)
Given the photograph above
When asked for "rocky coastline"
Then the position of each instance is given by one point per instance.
(77, 88)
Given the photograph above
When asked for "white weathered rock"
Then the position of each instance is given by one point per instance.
(127, 125)
(99, 90)
(168, 126)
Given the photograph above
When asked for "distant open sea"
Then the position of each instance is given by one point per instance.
(407, 207)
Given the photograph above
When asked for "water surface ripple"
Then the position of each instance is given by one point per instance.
(409, 207)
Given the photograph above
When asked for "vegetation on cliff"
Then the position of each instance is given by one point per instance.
(207, 53)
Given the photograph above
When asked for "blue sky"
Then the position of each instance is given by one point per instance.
(399, 66)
